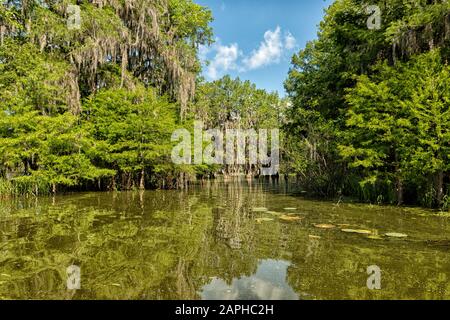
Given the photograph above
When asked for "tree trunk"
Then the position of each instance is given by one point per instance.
(128, 175)
(399, 191)
(26, 166)
(142, 182)
(440, 188)
(399, 181)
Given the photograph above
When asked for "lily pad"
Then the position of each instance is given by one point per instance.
(260, 220)
(290, 209)
(375, 237)
(358, 231)
(325, 226)
(343, 225)
(289, 218)
(396, 235)
(259, 209)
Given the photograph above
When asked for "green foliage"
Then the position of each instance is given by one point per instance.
(398, 124)
(83, 108)
(234, 104)
(372, 105)
(30, 80)
(131, 130)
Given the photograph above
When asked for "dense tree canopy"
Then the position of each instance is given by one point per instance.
(154, 42)
(235, 104)
(371, 105)
(94, 104)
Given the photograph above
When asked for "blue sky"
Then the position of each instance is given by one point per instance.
(255, 39)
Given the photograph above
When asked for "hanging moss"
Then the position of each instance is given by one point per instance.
(154, 40)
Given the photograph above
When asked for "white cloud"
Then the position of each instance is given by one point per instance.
(203, 52)
(224, 60)
(269, 51)
(289, 41)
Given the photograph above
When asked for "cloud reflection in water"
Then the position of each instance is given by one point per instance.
(268, 283)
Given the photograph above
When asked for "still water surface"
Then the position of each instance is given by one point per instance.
(218, 241)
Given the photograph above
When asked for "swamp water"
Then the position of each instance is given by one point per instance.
(233, 240)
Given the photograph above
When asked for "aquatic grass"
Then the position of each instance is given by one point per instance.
(443, 214)
(446, 203)
(24, 186)
(6, 187)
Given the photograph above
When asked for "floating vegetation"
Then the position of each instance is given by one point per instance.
(325, 226)
(259, 209)
(343, 225)
(261, 220)
(358, 231)
(289, 218)
(442, 214)
(375, 237)
(290, 209)
(396, 235)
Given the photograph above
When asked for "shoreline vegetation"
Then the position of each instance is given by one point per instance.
(367, 115)
(291, 184)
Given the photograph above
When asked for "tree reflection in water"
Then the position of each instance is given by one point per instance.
(207, 242)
